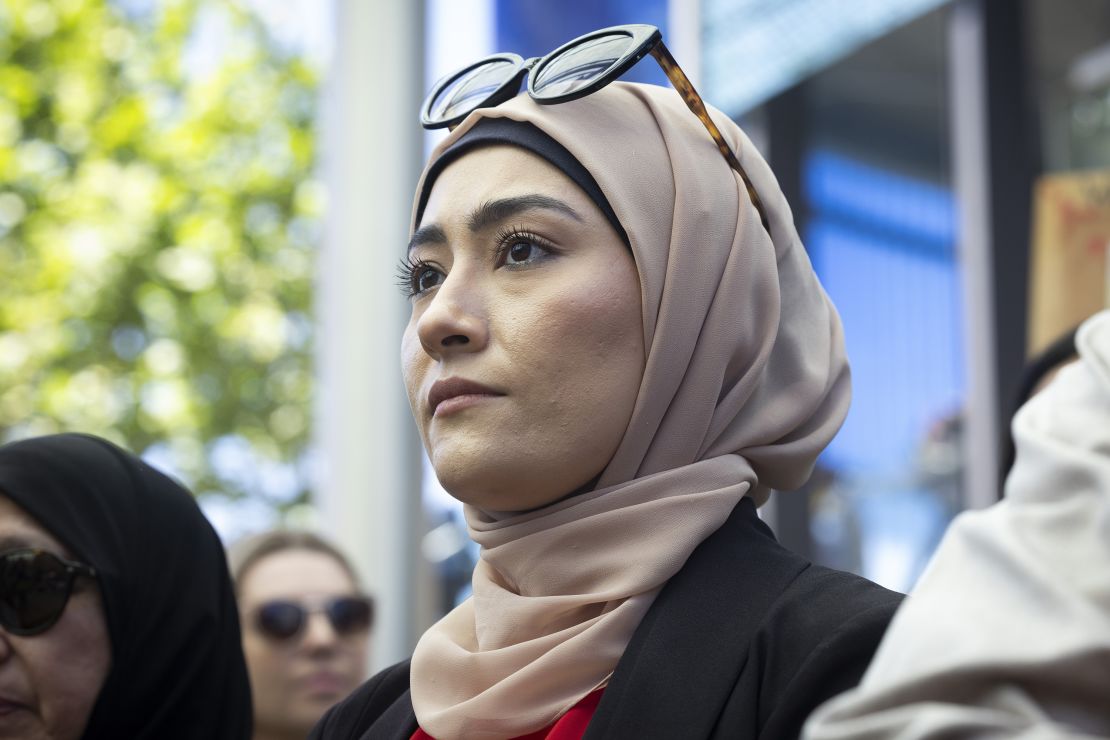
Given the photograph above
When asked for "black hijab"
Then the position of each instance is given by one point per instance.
(177, 663)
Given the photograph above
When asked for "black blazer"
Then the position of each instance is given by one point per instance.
(744, 642)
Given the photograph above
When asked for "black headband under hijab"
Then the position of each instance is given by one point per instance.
(492, 131)
(177, 662)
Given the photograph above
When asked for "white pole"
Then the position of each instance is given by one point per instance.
(368, 484)
(683, 37)
(968, 111)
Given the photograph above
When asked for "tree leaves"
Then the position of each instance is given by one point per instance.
(158, 219)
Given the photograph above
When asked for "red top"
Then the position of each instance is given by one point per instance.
(571, 726)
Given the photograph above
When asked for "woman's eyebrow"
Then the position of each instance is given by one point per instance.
(430, 234)
(493, 211)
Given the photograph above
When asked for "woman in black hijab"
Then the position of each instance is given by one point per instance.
(176, 666)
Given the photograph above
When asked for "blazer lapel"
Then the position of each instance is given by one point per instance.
(398, 722)
(683, 660)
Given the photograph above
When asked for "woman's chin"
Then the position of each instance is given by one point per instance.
(496, 493)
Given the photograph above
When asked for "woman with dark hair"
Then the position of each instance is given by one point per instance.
(617, 349)
(117, 616)
(306, 628)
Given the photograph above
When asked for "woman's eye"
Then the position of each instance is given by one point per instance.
(521, 252)
(415, 277)
(425, 278)
(519, 247)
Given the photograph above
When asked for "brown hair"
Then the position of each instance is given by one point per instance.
(242, 556)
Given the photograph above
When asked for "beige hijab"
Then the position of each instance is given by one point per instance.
(745, 383)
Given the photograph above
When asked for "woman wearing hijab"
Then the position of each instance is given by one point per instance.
(1007, 634)
(617, 349)
(117, 616)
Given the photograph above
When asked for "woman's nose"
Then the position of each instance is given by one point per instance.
(319, 633)
(453, 320)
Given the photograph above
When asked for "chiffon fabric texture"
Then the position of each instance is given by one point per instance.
(746, 381)
(177, 665)
(1007, 634)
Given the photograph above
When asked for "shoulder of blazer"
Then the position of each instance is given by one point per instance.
(379, 708)
(735, 633)
(815, 643)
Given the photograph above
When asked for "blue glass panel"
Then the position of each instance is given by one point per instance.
(882, 244)
(778, 42)
(901, 312)
(909, 213)
(535, 27)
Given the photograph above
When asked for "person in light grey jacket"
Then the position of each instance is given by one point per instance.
(1008, 632)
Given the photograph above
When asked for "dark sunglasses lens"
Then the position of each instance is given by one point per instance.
(280, 619)
(350, 615)
(34, 588)
(580, 65)
(470, 90)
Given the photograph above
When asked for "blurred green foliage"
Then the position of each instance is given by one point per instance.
(158, 219)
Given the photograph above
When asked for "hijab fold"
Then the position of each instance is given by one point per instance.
(745, 382)
(177, 664)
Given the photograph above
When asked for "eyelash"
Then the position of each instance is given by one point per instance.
(507, 237)
(408, 268)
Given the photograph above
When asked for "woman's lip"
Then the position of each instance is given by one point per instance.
(7, 706)
(450, 395)
(458, 403)
(325, 683)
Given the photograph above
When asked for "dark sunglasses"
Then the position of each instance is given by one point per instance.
(574, 70)
(35, 587)
(282, 620)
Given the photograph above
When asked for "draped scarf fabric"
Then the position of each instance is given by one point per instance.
(1007, 634)
(177, 665)
(745, 382)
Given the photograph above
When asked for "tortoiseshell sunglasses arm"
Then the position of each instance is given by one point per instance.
(686, 89)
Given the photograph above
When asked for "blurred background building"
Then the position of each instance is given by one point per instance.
(202, 203)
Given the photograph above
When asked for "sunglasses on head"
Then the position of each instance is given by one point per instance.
(35, 587)
(574, 70)
(283, 619)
